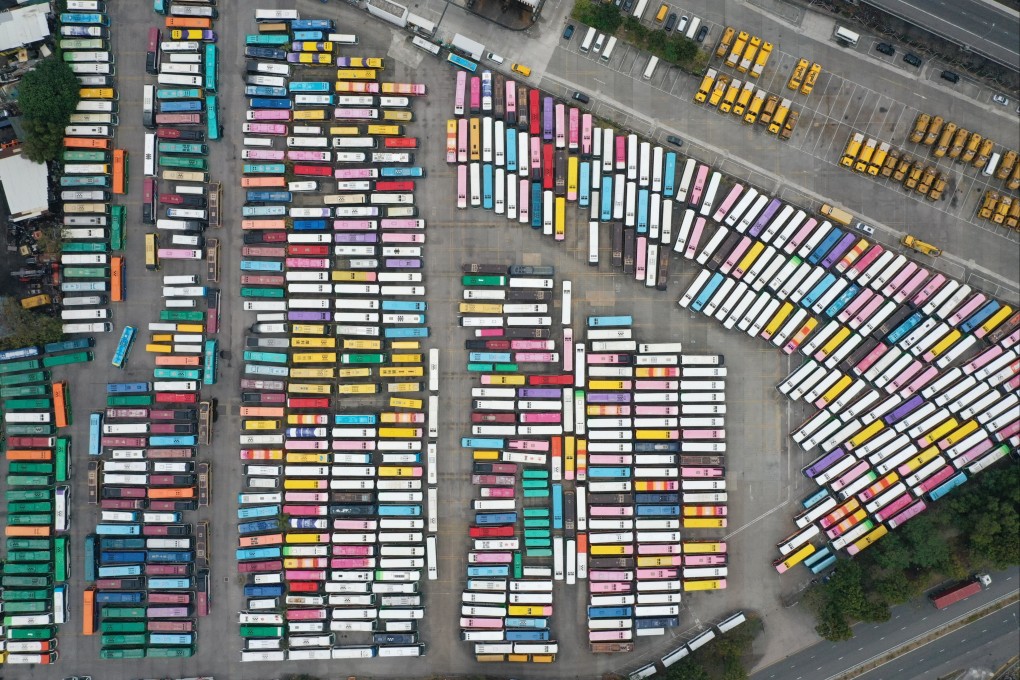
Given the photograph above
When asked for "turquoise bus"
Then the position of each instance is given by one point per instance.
(209, 369)
(210, 67)
(212, 117)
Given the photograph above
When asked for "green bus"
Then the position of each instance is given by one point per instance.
(536, 493)
(23, 468)
(85, 272)
(534, 484)
(176, 374)
(158, 652)
(479, 368)
(539, 552)
(475, 280)
(537, 474)
(69, 345)
(518, 565)
(18, 595)
(24, 378)
(30, 429)
(122, 612)
(27, 391)
(30, 568)
(20, 366)
(255, 631)
(267, 357)
(25, 581)
(40, 633)
(129, 400)
(62, 459)
(537, 533)
(36, 506)
(29, 495)
(86, 156)
(28, 480)
(61, 563)
(29, 556)
(130, 653)
(538, 523)
(363, 359)
(537, 542)
(28, 404)
(117, 218)
(28, 544)
(535, 512)
(65, 359)
(506, 368)
(122, 627)
(183, 147)
(181, 315)
(119, 640)
(26, 607)
(84, 247)
(185, 163)
(262, 292)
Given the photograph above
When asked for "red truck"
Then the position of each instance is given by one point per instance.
(961, 591)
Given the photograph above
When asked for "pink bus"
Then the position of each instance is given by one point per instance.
(261, 454)
(535, 345)
(511, 103)
(262, 154)
(866, 311)
(656, 410)
(692, 472)
(858, 302)
(661, 549)
(355, 173)
(393, 223)
(736, 254)
(926, 376)
(666, 385)
(306, 510)
(536, 158)
(475, 97)
(642, 258)
(306, 445)
(929, 289)
(985, 357)
(458, 103)
(727, 204)
(610, 510)
(523, 214)
(561, 126)
(265, 129)
(178, 119)
(610, 576)
(906, 375)
(869, 360)
(966, 309)
(704, 560)
(403, 238)
(356, 114)
(602, 359)
(180, 254)
(621, 153)
(536, 357)
(643, 574)
(476, 622)
(497, 492)
(610, 586)
(268, 114)
(609, 635)
(610, 459)
(305, 497)
(462, 140)
(864, 262)
(704, 434)
(528, 445)
(908, 289)
(793, 244)
(305, 156)
(353, 550)
(699, 185)
(586, 128)
(305, 575)
(355, 225)
(899, 279)
(490, 558)
(352, 563)
(354, 525)
(696, 232)
(357, 86)
(306, 263)
(573, 131)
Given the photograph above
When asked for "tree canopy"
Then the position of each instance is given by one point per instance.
(47, 96)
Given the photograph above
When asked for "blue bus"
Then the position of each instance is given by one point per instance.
(261, 266)
(947, 486)
(610, 472)
(463, 63)
(95, 433)
(173, 440)
(406, 332)
(491, 357)
(213, 121)
(257, 511)
(658, 511)
(120, 571)
(209, 361)
(210, 67)
(50, 347)
(523, 635)
(308, 36)
(309, 86)
(603, 321)
(842, 300)
(404, 306)
(642, 211)
(410, 171)
(536, 205)
(21, 353)
(980, 316)
(309, 225)
(610, 612)
(127, 338)
(257, 196)
(92, 18)
(485, 572)
(909, 324)
(818, 291)
(399, 510)
(258, 526)
(669, 176)
(825, 246)
(264, 91)
(487, 186)
(511, 149)
(263, 591)
(312, 25)
(90, 558)
(259, 168)
(127, 388)
(270, 103)
(263, 210)
(819, 567)
(557, 506)
(706, 293)
(257, 553)
(355, 419)
(606, 213)
(180, 105)
(815, 498)
(119, 529)
(819, 556)
(584, 188)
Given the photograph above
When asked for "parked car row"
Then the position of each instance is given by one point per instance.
(338, 517)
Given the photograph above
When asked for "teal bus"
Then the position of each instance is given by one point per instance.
(84, 247)
(26, 391)
(177, 373)
(67, 359)
(126, 653)
(62, 459)
(117, 217)
(28, 495)
(210, 67)
(186, 93)
(185, 163)
(120, 355)
(183, 147)
(86, 272)
(73, 156)
(114, 400)
(119, 640)
(158, 652)
(37, 633)
(182, 315)
(212, 116)
(61, 565)
(24, 378)
(209, 368)
(37, 404)
(19, 366)
(17, 595)
(266, 357)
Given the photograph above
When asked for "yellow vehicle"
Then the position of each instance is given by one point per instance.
(811, 78)
(763, 57)
(797, 77)
(890, 163)
(724, 42)
(384, 130)
(836, 214)
(706, 86)
(878, 159)
(398, 116)
(1002, 209)
(35, 301)
(927, 179)
(780, 117)
(938, 187)
(744, 99)
(309, 114)
(398, 402)
(983, 153)
(403, 387)
(308, 388)
(749, 54)
(363, 372)
(719, 90)
(791, 122)
(945, 139)
(401, 371)
(663, 11)
(97, 93)
(933, 131)
(354, 130)
(362, 344)
(1013, 218)
(920, 126)
(853, 147)
(988, 205)
(313, 357)
(260, 425)
(738, 49)
(902, 168)
(309, 329)
(521, 69)
(1013, 183)
(480, 308)
(163, 337)
(731, 96)
(405, 344)
(956, 147)
(972, 147)
(314, 458)
(769, 109)
(357, 388)
(755, 108)
(920, 246)
(914, 176)
(1006, 165)
(401, 358)
(317, 343)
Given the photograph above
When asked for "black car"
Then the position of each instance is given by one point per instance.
(674, 140)
(950, 76)
(568, 32)
(886, 48)
(702, 34)
(671, 22)
(912, 59)
(628, 5)
(581, 97)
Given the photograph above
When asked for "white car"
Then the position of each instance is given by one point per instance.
(1000, 99)
(866, 228)
(494, 58)
(683, 24)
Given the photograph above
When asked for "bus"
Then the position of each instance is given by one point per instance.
(61, 405)
(461, 62)
(210, 67)
(150, 155)
(117, 278)
(89, 610)
(117, 215)
(120, 171)
(127, 338)
(209, 360)
(95, 433)
(460, 93)
(212, 117)
(151, 252)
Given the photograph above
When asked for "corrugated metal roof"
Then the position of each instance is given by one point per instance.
(23, 26)
(24, 185)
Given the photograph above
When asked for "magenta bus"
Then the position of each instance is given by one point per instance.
(693, 472)
(621, 153)
(355, 173)
(934, 284)
(537, 357)
(353, 550)
(475, 100)
(642, 258)
(490, 558)
(586, 128)
(305, 575)
(573, 129)
(497, 492)
(276, 129)
(541, 417)
(511, 103)
(306, 510)
(462, 140)
(307, 156)
(462, 186)
(699, 186)
(267, 114)
(736, 255)
(864, 261)
(458, 103)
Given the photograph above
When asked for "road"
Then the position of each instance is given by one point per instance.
(910, 621)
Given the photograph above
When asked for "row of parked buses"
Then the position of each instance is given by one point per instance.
(338, 517)
(37, 566)
(94, 172)
(602, 436)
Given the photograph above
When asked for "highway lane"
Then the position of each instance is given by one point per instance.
(908, 622)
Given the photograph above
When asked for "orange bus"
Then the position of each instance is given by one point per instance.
(266, 411)
(29, 454)
(178, 361)
(86, 143)
(263, 181)
(171, 492)
(256, 541)
(27, 531)
(120, 171)
(117, 278)
(61, 410)
(88, 626)
(188, 22)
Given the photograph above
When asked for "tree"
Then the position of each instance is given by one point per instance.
(27, 327)
(47, 96)
(602, 16)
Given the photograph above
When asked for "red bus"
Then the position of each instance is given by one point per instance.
(400, 142)
(313, 170)
(407, 185)
(547, 166)
(534, 114)
(550, 380)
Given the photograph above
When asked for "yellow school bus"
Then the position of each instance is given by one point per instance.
(403, 402)
(606, 385)
(358, 388)
(260, 425)
(405, 344)
(304, 484)
(385, 130)
(773, 326)
(401, 371)
(163, 337)
(704, 523)
(480, 308)
(306, 538)
(313, 357)
(348, 276)
(939, 432)
(568, 456)
(655, 561)
(505, 380)
(317, 343)
(345, 131)
(404, 387)
(704, 584)
(837, 389)
(363, 344)
(484, 454)
(657, 435)
(363, 372)
(308, 388)
(314, 458)
(154, 348)
(395, 471)
(869, 538)
(309, 114)
(398, 358)
(609, 549)
(309, 329)
(314, 373)
(700, 548)
(842, 334)
(866, 434)
(399, 432)
(356, 74)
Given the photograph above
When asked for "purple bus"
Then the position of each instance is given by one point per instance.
(765, 217)
(308, 316)
(539, 393)
(903, 409)
(913, 511)
(410, 263)
(355, 237)
(823, 463)
(609, 397)
(837, 252)
(166, 612)
(547, 119)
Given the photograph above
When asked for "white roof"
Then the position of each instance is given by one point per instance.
(23, 26)
(24, 185)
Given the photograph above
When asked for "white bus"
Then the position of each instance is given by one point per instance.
(650, 68)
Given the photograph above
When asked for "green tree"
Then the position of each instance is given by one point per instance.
(686, 669)
(602, 16)
(48, 95)
(26, 327)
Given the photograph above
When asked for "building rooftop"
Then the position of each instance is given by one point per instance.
(25, 185)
